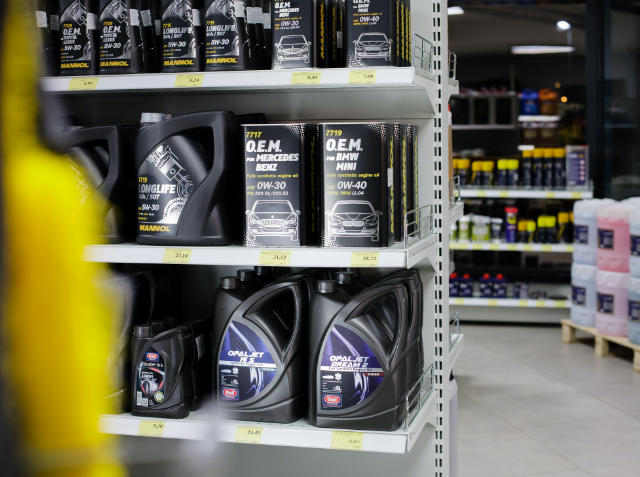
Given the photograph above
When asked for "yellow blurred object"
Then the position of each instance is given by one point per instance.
(487, 166)
(56, 332)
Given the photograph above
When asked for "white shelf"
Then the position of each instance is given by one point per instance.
(527, 193)
(538, 119)
(513, 247)
(456, 349)
(393, 257)
(200, 426)
(454, 87)
(482, 127)
(509, 303)
(456, 212)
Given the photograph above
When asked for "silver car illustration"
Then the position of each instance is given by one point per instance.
(373, 45)
(293, 47)
(354, 218)
(273, 218)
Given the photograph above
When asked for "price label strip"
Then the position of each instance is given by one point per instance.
(362, 76)
(249, 435)
(275, 258)
(365, 259)
(188, 81)
(151, 428)
(83, 84)
(176, 255)
(344, 440)
(302, 77)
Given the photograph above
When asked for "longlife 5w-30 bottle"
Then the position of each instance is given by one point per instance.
(226, 38)
(181, 36)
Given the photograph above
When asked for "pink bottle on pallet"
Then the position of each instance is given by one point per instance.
(612, 303)
(613, 237)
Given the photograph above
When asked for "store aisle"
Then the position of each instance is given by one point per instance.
(530, 405)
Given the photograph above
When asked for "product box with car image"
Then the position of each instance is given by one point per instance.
(356, 184)
(279, 170)
(371, 33)
(294, 26)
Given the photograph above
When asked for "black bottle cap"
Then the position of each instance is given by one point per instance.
(142, 331)
(345, 278)
(246, 275)
(263, 271)
(356, 272)
(171, 320)
(158, 326)
(229, 283)
(327, 286)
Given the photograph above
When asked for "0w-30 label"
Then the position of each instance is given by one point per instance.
(349, 372)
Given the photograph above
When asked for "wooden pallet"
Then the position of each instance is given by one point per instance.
(602, 341)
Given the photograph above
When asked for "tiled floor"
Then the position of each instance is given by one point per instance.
(530, 405)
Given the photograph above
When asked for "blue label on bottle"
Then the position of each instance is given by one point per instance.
(634, 310)
(578, 295)
(349, 372)
(577, 167)
(521, 291)
(453, 288)
(499, 290)
(605, 239)
(465, 289)
(635, 245)
(605, 303)
(245, 365)
(581, 234)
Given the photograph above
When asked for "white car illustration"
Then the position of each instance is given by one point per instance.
(273, 218)
(354, 218)
(293, 47)
(373, 45)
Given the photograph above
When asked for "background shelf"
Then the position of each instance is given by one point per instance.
(513, 247)
(509, 303)
(456, 349)
(526, 193)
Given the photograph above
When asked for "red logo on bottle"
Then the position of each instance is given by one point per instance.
(230, 393)
(152, 356)
(332, 400)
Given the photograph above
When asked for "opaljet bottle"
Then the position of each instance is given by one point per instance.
(78, 23)
(181, 36)
(226, 40)
(120, 49)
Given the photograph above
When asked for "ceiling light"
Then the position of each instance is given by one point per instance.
(557, 85)
(455, 11)
(564, 99)
(563, 25)
(539, 49)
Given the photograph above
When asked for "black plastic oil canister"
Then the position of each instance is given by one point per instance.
(120, 37)
(181, 36)
(78, 34)
(226, 39)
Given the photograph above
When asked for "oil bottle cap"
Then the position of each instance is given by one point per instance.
(229, 283)
(142, 331)
(531, 226)
(551, 221)
(466, 276)
(464, 163)
(158, 326)
(503, 164)
(487, 166)
(356, 272)
(345, 278)
(263, 271)
(486, 276)
(152, 118)
(246, 275)
(476, 166)
(542, 221)
(548, 152)
(513, 164)
(327, 286)
(563, 217)
(527, 153)
(538, 152)
(522, 226)
(559, 152)
(511, 210)
(453, 275)
(171, 320)
(499, 276)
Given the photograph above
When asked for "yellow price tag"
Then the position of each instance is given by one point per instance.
(365, 259)
(551, 195)
(306, 77)
(151, 428)
(494, 246)
(492, 302)
(456, 246)
(482, 193)
(503, 193)
(541, 303)
(458, 301)
(569, 248)
(176, 255)
(83, 84)
(476, 246)
(545, 248)
(512, 247)
(362, 76)
(560, 304)
(523, 303)
(344, 440)
(576, 195)
(527, 248)
(277, 258)
(188, 81)
(249, 435)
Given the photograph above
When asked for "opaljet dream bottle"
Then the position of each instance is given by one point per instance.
(357, 374)
(260, 369)
(181, 36)
(226, 38)
(78, 37)
(121, 41)
(182, 165)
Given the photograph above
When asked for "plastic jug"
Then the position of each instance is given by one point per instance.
(163, 380)
(486, 286)
(259, 352)
(120, 44)
(499, 286)
(633, 326)
(248, 280)
(634, 232)
(78, 38)
(96, 162)
(585, 229)
(182, 165)
(614, 237)
(347, 283)
(358, 377)
(306, 278)
(611, 303)
(583, 294)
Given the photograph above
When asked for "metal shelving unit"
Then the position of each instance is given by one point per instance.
(510, 303)
(467, 192)
(512, 247)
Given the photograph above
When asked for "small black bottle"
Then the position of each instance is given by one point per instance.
(226, 41)
(78, 23)
(181, 36)
(120, 43)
